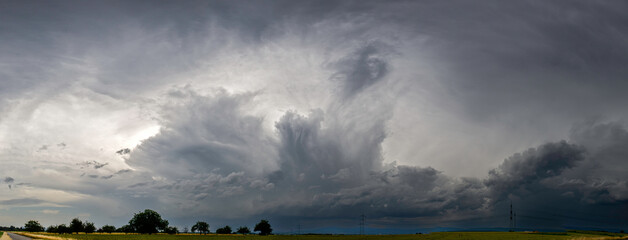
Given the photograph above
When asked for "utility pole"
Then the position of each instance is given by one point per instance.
(511, 222)
(362, 218)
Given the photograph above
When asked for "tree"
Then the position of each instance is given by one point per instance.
(171, 230)
(201, 227)
(33, 226)
(224, 230)
(243, 230)
(52, 229)
(263, 227)
(76, 226)
(107, 229)
(62, 229)
(126, 229)
(148, 221)
(89, 227)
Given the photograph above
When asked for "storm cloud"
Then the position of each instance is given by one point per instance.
(418, 115)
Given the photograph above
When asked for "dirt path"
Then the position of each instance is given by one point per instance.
(14, 236)
(5, 236)
(27, 236)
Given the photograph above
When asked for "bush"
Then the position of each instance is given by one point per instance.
(126, 229)
(224, 230)
(171, 230)
(243, 230)
(107, 229)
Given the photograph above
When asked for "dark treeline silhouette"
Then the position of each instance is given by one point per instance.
(11, 228)
(76, 226)
(146, 222)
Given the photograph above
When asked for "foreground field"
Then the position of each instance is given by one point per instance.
(431, 236)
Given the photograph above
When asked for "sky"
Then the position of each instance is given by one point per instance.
(417, 114)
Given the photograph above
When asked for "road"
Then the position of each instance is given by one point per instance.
(17, 237)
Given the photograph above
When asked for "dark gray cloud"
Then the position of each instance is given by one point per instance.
(566, 184)
(9, 180)
(123, 151)
(523, 172)
(95, 164)
(503, 58)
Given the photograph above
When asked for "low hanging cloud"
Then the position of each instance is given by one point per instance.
(565, 184)
(523, 172)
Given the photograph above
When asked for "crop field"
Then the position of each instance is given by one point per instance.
(431, 236)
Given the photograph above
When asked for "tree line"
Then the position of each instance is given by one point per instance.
(146, 222)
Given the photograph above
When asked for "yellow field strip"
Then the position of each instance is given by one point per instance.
(5, 236)
(38, 236)
(599, 238)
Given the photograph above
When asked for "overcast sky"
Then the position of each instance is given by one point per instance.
(418, 114)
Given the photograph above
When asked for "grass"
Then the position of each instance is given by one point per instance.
(431, 236)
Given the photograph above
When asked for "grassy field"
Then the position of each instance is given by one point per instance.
(431, 236)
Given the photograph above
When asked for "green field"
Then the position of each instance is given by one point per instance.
(431, 236)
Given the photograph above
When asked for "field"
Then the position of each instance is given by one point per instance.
(431, 236)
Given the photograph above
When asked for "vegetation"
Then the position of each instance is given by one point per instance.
(125, 229)
(107, 229)
(224, 230)
(151, 222)
(610, 234)
(33, 226)
(431, 236)
(148, 221)
(88, 227)
(63, 229)
(201, 227)
(11, 228)
(171, 230)
(263, 227)
(76, 226)
(243, 230)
